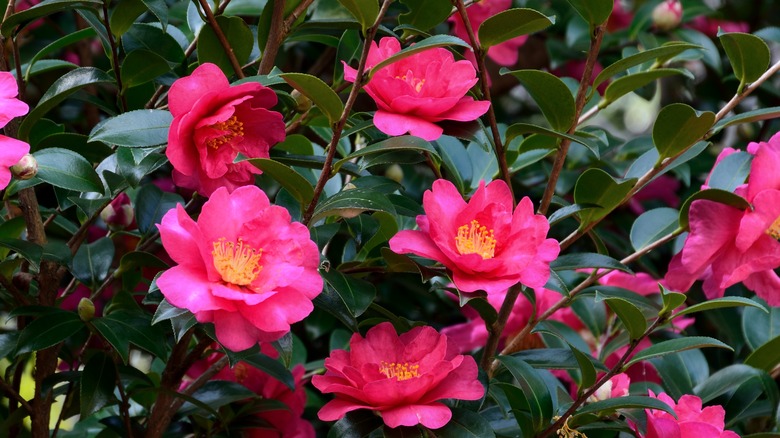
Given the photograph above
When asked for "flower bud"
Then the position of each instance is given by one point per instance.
(667, 15)
(118, 215)
(26, 168)
(86, 309)
(395, 173)
(302, 103)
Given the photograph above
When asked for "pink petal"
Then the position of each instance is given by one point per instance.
(432, 416)
(399, 124)
(186, 91)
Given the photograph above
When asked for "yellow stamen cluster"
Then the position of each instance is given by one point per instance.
(401, 371)
(474, 238)
(234, 127)
(237, 262)
(568, 432)
(416, 83)
(774, 229)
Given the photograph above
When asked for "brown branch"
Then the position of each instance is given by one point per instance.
(297, 12)
(276, 35)
(327, 167)
(14, 394)
(212, 21)
(498, 326)
(114, 57)
(199, 382)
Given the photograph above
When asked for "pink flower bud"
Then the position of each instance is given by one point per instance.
(26, 168)
(118, 215)
(667, 15)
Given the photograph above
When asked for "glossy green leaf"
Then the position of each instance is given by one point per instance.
(582, 260)
(124, 15)
(63, 87)
(719, 303)
(427, 43)
(725, 380)
(351, 202)
(141, 66)
(44, 9)
(123, 327)
(319, 92)
(586, 368)
(674, 345)
(272, 367)
(216, 394)
(97, 384)
(57, 45)
(512, 23)
(525, 128)
(294, 182)
(401, 143)
(671, 300)
(151, 204)
(630, 315)
(756, 115)
(594, 12)
(150, 37)
(551, 94)
(425, 14)
(652, 225)
(765, 357)
(536, 391)
(356, 424)
(28, 250)
(610, 405)
(357, 294)
(139, 128)
(160, 10)
(238, 35)
(365, 12)
(760, 325)
(466, 424)
(660, 54)
(677, 127)
(134, 164)
(68, 170)
(749, 56)
(93, 261)
(47, 330)
(681, 371)
(555, 358)
(597, 187)
(166, 311)
(731, 171)
(716, 195)
(626, 84)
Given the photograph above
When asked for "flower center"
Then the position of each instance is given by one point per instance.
(409, 78)
(234, 129)
(401, 371)
(237, 262)
(774, 229)
(474, 238)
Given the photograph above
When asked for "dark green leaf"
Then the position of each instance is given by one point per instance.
(351, 202)
(605, 407)
(719, 303)
(141, 66)
(662, 53)
(510, 24)
(748, 54)
(630, 315)
(551, 94)
(652, 225)
(725, 380)
(97, 384)
(674, 345)
(425, 14)
(357, 294)
(151, 204)
(401, 143)
(57, 45)
(319, 92)
(571, 262)
(525, 128)
(554, 358)
(238, 36)
(122, 327)
(47, 330)
(216, 394)
(748, 117)
(166, 311)
(626, 84)
(92, 262)
(586, 368)
(466, 424)
(30, 251)
(730, 172)
(534, 388)
(594, 12)
(138, 128)
(765, 357)
(124, 15)
(291, 180)
(160, 10)
(759, 326)
(44, 9)
(272, 367)
(150, 37)
(597, 187)
(715, 195)
(67, 169)
(677, 127)
(427, 43)
(356, 424)
(365, 12)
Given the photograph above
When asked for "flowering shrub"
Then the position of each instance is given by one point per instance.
(341, 218)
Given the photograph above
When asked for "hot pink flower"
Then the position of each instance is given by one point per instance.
(485, 245)
(400, 377)
(242, 266)
(709, 26)
(727, 245)
(620, 18)
(414, 93)
(214, 122)
(692, 421)
(505, 53)
(11, 149)
(616, 386)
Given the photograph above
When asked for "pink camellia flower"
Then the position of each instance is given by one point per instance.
(709, 26)
(505, 53)
(616, 386)
(667, 14)
(416, 92)
(214, 122)
(402, 378)
(485, 245)
(243, 266)
(119, 214)
(620, 17)
(692, 421)
(11, 149)
(727, 245)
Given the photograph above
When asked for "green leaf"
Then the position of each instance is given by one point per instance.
(466, 424)
(760, 325)
(425, 14)
(510, 24)
(44, 9)
(68, 170)
(122, 327)
(674, 345)
(427, 43)
(725, 380)
(134, 129)
(30, 251)
(151, 204)
(319, 92)
(272, 367)
(652, 225)
(93, 261)
(356, 424)
(594, 12)
(57, 45)
(610, 405)
(288, 178)
(719, 303)
(238, 36)
(756, 115)
(166, 311)
(630, 315)
(160, 10)
(351, 202)
(536, 391)
(671, 300)
(97, 384)
(216, 394)
(586, 368)
(730, 172)
(765, 357)
(150, 37)
(365, 12)
(661, 54)
(392, 144)
(124, 15)
(555, 358)
(626, 84)
(578, 137)
(134, 164)
(356, 294)
(141, 66)
(551, 94)
(48, 330)
(63, 87)
(571, 262)
(716, 195)
(597, 187)
(677, 127)
(748, 54)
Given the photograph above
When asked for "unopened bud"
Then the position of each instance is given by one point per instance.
(395, 173)
(26, 168)
(302, 103)
(118, 215)
(667, 15)
(86, 309)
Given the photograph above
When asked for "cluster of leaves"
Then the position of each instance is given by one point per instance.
(99, 128)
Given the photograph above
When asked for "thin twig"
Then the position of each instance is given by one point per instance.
(749, 89)
(276, 35)
(196, 384)
(13, 394)
(498, 326)
(114, 57)
(212, 21)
